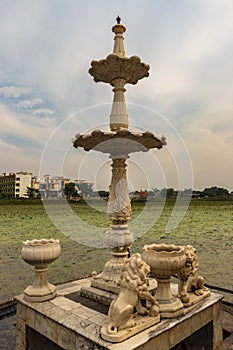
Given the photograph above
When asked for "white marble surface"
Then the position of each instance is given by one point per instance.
(61, 317)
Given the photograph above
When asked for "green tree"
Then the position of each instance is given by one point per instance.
(70, 190)
(168, 193)
(171, 193)
(2, 194)
(215, 192)
(103, 194)
(86, 189)
(32, 192)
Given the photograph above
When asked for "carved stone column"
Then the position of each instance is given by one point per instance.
(119, 207)
(118, 238)
(119, 116)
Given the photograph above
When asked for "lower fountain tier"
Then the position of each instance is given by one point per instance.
(62, 323)
(119, 143)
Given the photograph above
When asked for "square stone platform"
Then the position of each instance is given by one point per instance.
(63, 323)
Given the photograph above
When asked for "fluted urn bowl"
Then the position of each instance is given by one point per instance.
(164, 259)
(40, 253)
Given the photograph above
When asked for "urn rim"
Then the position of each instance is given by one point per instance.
(40, 242)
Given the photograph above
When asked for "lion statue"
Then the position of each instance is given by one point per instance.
(189, 279)
(133, 288)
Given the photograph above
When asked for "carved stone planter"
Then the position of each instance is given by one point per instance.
(165, 260)
(40, 253)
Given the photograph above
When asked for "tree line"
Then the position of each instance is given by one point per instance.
(86, 190)
(73, 191)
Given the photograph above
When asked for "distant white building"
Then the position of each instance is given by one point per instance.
(51, 187)
(14, 185)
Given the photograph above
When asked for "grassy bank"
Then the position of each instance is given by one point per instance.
(208, 225)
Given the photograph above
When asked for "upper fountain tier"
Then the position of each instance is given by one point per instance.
(118, 70)
(117, 65)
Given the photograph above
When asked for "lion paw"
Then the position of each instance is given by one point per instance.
(185, 298)
(143, 311)
(154, 311)
(129, 324)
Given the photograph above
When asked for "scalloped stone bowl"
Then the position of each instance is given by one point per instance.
(40, 252)
(164, 259)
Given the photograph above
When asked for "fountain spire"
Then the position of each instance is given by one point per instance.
(119, 115)
(118, 70)
(119, 29)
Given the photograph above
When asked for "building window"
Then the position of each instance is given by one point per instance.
(18, 179)
(17, 190)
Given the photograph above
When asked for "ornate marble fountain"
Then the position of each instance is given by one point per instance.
(171, 316)
(118, 70)
(119, 142)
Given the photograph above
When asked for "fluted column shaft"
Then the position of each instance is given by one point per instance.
(119, 115)
(119, 207)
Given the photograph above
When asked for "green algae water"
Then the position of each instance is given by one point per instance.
(207, 225)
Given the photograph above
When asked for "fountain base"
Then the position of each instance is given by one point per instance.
(62, 323)
(107, 293)
(140, 324)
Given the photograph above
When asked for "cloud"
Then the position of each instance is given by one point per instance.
(46, 49)
(14, 91)
(18, 159)
(6, 147)
(21, 128)
(25, 105)
(28, 104)
(43, 111)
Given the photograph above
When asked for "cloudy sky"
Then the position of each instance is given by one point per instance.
(47, 95)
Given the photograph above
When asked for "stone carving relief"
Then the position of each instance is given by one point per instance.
(189, 279)
(133, 288)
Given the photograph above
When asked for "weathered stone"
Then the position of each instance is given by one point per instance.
(191, 287)
(86, 331)
(134, 286)
(165, 260)
(40, 253)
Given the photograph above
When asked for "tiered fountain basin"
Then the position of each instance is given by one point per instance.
(122, 141)
(40, 253)
(131, 69)
(165, 260)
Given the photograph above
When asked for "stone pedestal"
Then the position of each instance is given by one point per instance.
(41, 290)
(62, 323)
(169, 306)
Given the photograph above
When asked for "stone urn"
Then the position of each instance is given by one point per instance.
(165, 260)
(40, 253)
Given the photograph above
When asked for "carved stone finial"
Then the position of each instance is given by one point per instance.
(118, 19)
